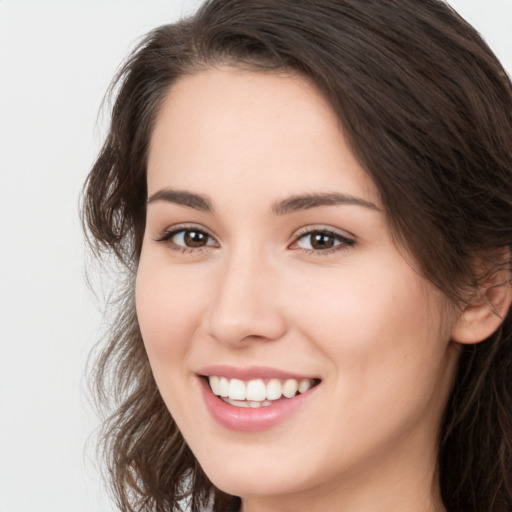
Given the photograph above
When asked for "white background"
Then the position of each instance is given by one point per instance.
(56, 60)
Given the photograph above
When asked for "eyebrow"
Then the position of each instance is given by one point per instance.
(183, 198)
(290, 205)
(307, 201)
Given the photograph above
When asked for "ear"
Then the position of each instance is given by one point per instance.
(486, 311)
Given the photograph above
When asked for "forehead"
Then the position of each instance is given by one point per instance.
(270, 131)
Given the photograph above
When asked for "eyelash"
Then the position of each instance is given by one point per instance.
(167, 237)
(342, 242)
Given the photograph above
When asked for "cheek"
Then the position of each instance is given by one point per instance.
(168, 308)
(384, 341)
(360, 308)
(378, 323)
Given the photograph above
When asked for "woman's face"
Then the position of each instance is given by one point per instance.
(268, 268)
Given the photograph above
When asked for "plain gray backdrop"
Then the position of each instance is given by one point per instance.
(57, 58)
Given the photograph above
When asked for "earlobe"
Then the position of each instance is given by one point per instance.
(484, 314)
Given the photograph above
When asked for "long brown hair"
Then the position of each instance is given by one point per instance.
(427, 110)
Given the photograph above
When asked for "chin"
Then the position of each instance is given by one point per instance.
(260, 470)
(248, 481)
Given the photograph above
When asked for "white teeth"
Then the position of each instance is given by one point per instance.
(304, 385)
(237, 390)
(223, 387)
(238, 403)
(215, 385)
(290, 388)
(274, 389)
(246, 404)
(255, 393)
(256, 390)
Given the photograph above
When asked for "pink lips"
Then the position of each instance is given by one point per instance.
(251, 419)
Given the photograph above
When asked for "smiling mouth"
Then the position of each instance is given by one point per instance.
(258, 392)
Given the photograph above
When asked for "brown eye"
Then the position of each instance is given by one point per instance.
(188, 239)
(320, 241)
(195, 238)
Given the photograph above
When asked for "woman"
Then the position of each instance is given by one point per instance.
(312, 201)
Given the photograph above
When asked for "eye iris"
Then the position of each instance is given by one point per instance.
(195, 239)
(321, 241)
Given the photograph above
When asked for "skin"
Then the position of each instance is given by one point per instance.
(259, 293)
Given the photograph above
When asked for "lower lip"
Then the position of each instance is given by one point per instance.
(246, 419)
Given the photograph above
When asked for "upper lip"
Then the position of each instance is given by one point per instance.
(250, 372)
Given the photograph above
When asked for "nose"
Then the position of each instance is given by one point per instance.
(244, 304)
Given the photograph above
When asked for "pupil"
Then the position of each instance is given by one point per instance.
(322, 241)
(195, 239)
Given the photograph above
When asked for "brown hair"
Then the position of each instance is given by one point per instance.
(427, 110)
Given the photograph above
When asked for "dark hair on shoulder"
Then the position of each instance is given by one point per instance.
(427, 109)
